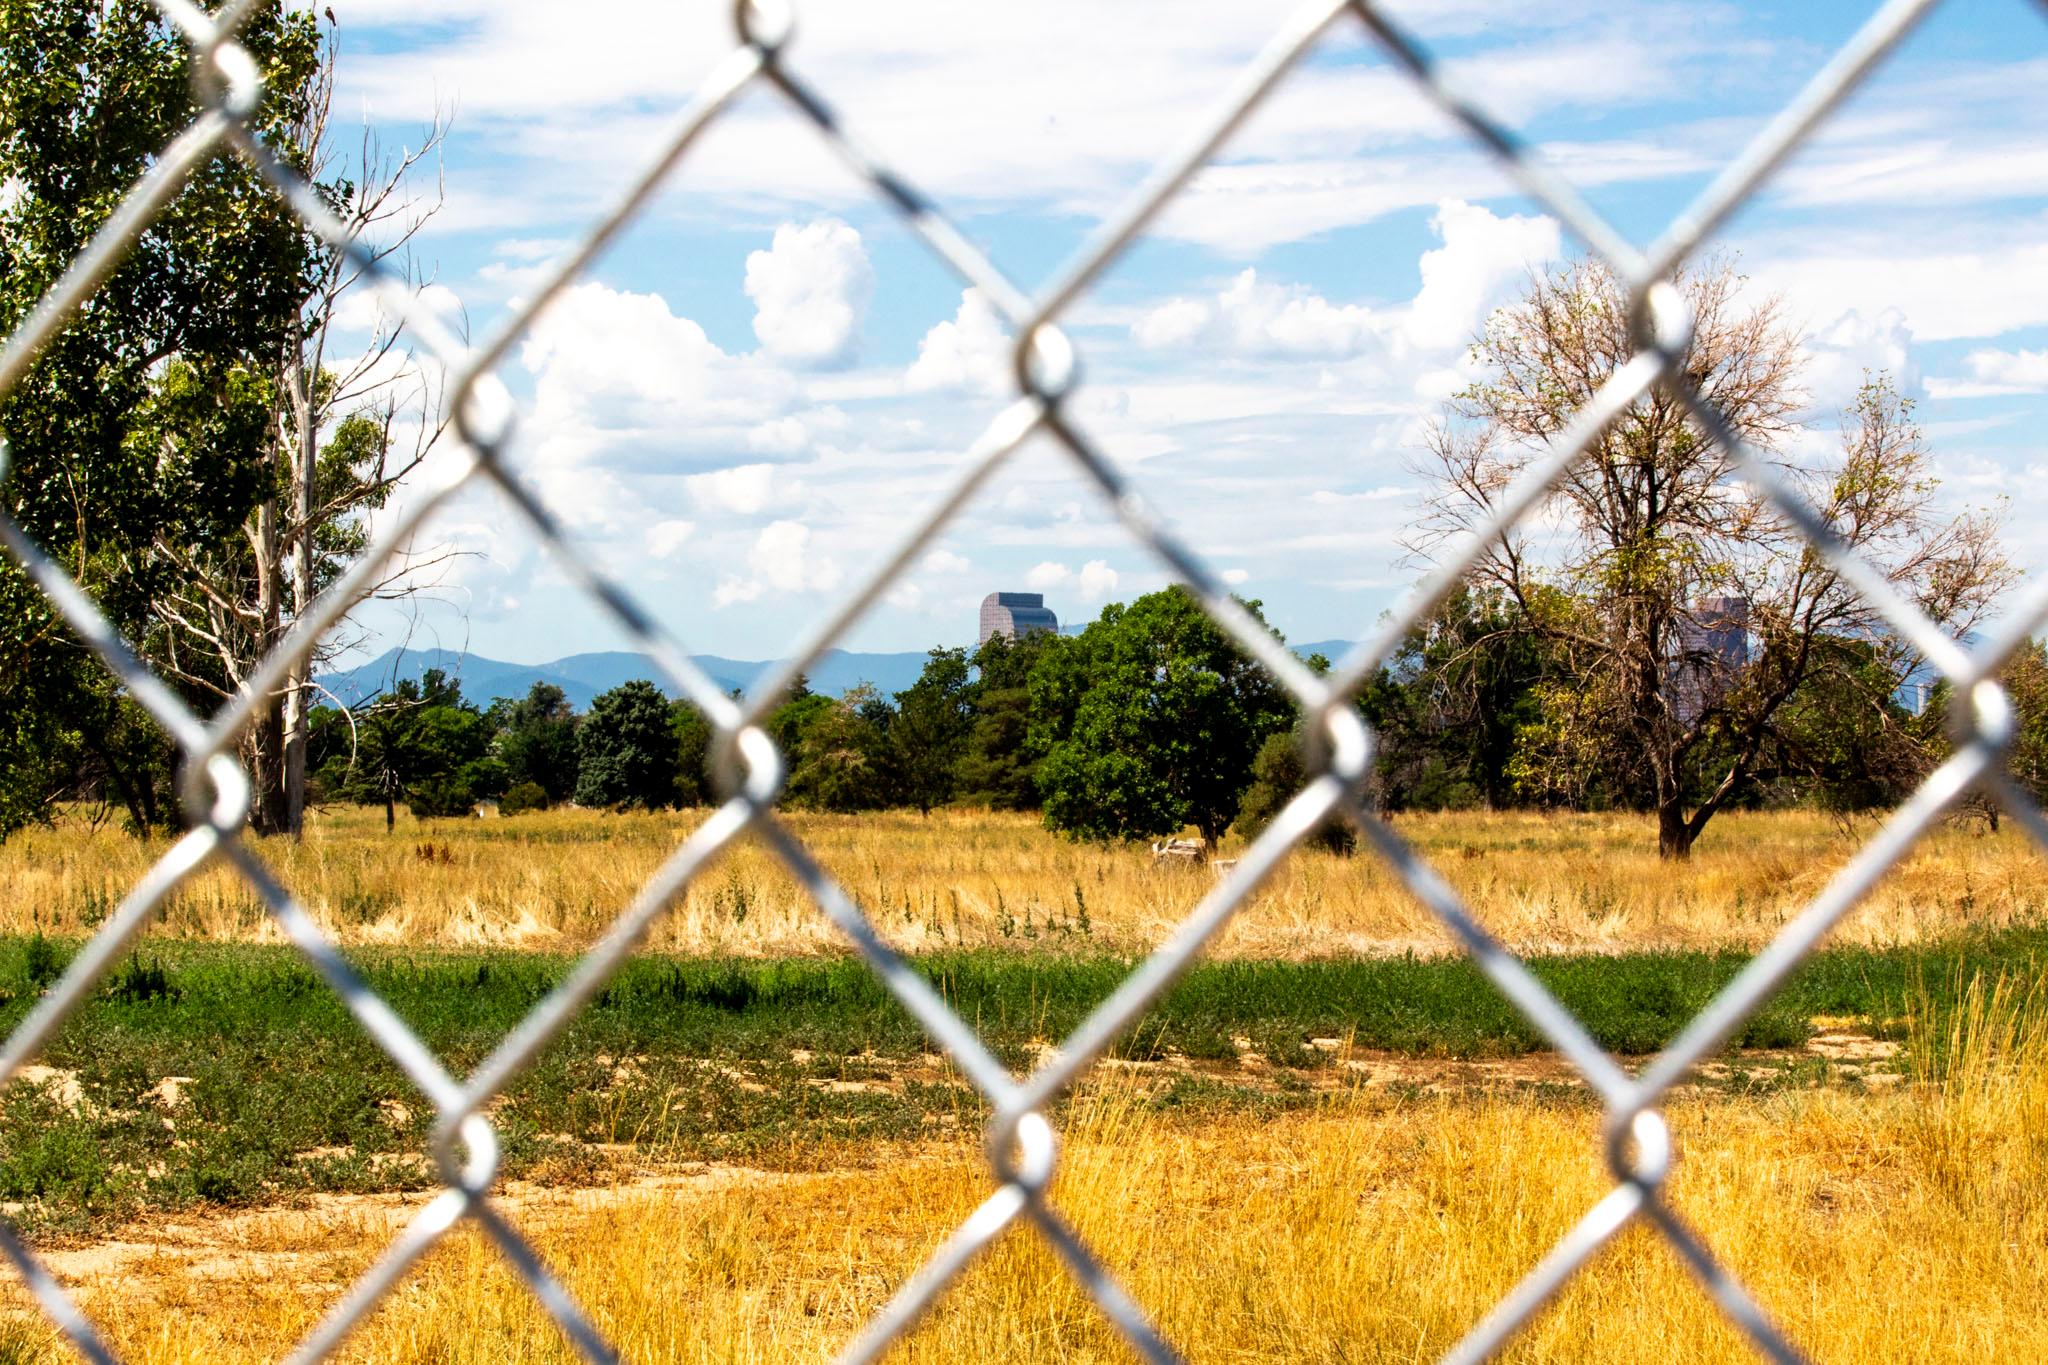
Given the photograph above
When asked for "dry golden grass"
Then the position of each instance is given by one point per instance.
(1906, 1225)
(971, 878)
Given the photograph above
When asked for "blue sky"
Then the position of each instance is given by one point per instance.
(746, 402)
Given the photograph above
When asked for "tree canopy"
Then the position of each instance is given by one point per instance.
(1656, 557)
(1149, 721)
(143, 418)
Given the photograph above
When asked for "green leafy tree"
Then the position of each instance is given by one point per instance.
(789, 724)
(1278, 775)
(626, 750)
(2026, 682)
(1149, 721)
(421, 744)
(134, 422)
(929, 732)
(333, 445)
(693, 755)
(537, 740)
(2025, 679)
(1448, 708)
(1843, 741)
(998, 767)
(841, 759)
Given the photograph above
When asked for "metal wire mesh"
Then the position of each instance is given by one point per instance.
(1021, 1147)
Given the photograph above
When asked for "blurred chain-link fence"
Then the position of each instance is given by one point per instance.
(1021, 1146)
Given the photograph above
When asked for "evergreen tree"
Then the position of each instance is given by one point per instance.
(626, 751)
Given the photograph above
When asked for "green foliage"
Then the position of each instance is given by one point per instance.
(1278, 774)
(626, 751)
(522, 797)
(997, 765)
(1148, 722)
(2025, 677)
(421, 744)
(137, 424)
(1455, 704)
(1841, 741)
(928, 737)
(840, 759)
(693, 755)
(537, 741)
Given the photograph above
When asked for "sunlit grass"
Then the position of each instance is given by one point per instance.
(1873, 1225)
(972, 879)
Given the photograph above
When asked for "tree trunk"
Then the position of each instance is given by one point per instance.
(296, 699)
(140, 813)
(264, 746)
(262, 750)
(1674, 832)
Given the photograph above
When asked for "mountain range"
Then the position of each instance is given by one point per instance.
(582, 676)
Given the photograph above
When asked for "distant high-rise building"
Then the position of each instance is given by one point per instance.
(1014, 613)
(1711, 648)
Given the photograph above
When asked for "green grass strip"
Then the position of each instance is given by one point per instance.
(744, 1059)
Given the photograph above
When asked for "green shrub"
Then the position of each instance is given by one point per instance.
(523, 797)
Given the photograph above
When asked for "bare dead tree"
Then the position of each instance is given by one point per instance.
(1650, 557)
(345, 429)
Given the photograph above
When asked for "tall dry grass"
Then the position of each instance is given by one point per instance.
(971, 878)
(1907, 1225)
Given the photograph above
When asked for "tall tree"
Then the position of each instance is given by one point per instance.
(1449, 706)
(178, 341)
(693, 755)
(1654, 556)
(537, 740)
(420, 743)
(929, 732)
(1149, 721)
(997, 765)
(627, 754)
(841, 759)
(340, 429)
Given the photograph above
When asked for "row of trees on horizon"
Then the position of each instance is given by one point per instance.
(1150, 722)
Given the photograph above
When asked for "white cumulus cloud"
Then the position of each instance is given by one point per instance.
(971, 352)
(664, 538)
(1483, 259)
(1094, 581)
(621, 382)
(781, 561)
(1994, 372)
(810, 290)
(1840, 356)
(1257, 317)
(743, 489)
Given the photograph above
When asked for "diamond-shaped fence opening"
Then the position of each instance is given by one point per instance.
(1021, 1146)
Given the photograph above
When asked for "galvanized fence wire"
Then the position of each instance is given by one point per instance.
(1021, 1146)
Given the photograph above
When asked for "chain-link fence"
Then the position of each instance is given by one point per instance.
(1021, 1147)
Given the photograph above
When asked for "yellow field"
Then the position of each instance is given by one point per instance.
(1906, 1225)
(1904, 1222)
(965, 878)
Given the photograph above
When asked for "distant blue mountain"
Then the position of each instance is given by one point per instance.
(582, 676)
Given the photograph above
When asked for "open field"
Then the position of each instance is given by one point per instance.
(974, 879)
(1333, 1141)
(1876, 1225)
(229, 1075)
